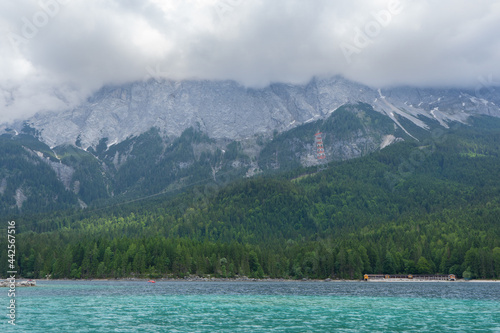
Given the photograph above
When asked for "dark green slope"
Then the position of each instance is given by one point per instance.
(149, 164)
(27, 182)
(90, 180)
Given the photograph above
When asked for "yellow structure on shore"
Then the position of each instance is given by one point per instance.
(426, 277)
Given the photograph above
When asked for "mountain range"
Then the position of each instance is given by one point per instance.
(146, 138)
(227, 110)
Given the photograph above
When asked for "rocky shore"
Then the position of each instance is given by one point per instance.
(195, 278)
(25, 283)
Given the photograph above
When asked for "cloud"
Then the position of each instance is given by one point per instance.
(55, 53)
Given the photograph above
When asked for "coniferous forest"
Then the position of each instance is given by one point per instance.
(431, 206)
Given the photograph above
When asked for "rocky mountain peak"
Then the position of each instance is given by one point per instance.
(228, 110)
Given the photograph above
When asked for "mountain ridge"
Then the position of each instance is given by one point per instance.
(228, 110)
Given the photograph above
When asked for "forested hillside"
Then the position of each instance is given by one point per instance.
(35, 178)
(428, 206)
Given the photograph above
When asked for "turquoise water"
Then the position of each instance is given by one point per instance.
(117, 306)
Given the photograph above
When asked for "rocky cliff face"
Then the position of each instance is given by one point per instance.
(227, 110)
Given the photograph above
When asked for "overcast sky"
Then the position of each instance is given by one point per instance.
(55, 53)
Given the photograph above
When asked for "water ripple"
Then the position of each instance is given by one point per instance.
(256, 307)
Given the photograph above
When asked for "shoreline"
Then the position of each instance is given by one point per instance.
(250, 280)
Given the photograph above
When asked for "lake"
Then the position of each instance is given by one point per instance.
(138, 306)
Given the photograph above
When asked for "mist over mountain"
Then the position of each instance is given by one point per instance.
(227, 110)
(57, 53)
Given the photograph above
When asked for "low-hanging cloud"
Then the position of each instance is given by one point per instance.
(55, 53)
